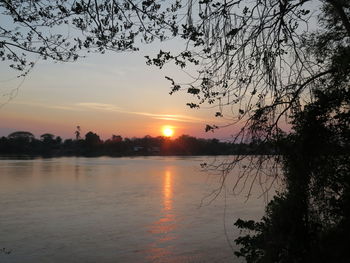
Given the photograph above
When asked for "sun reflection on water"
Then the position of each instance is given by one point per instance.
(162, 230)
(168, 191)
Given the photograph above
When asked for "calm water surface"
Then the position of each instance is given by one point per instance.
(116, 210)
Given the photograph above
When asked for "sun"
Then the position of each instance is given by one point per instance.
(168, 131)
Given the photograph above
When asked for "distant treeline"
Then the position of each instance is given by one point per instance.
(25, 143)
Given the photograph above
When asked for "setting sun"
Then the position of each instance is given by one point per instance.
(168, 131)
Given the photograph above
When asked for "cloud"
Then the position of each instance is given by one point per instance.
(35, 104)
(113, 108)
(83, 106)
(173, 117)
(99, 106)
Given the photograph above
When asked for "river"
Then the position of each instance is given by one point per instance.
(143, 209)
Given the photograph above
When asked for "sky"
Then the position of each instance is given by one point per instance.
(114, 93)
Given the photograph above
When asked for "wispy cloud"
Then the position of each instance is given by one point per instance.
(172, 117)
(86, 106)
(99, 106)
(42, 105)
(113, 108)
(58, 107)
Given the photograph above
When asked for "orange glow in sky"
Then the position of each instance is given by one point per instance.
(168, 131)
(58, 97)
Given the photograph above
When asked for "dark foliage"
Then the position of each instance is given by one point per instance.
(92, 145)
(61, 29)
(309, 221)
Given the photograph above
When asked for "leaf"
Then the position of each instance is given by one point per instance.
(192, 105)
(193, 90)
(233, 32)
(210, 128)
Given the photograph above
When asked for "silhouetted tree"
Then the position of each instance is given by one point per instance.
(47, 137)
(305, 222)
(92, 141)
(58, 140)
(37, 27)
(148, 145)
(92, 138)
(21, 135)
(308, 221)
(116, 138)
(77, 133)
(20, 141)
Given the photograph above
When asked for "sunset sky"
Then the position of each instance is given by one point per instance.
(114, 93)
